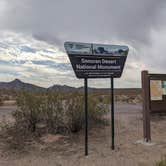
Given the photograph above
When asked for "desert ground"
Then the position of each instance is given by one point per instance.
(58, 150)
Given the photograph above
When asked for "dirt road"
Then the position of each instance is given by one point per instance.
(6, 113)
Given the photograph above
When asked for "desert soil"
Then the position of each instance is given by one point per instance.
(57, 150)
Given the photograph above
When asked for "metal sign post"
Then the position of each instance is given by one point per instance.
(112, 113)
(86, 114)
(97, 61)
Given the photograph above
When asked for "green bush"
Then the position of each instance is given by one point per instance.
(74, 112)
(96, 109)
(53, 112)
(58, 112)
(30, 108)
(162, 162)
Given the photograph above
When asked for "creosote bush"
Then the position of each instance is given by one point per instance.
(58, 112)
(162, 162)
(30, 109)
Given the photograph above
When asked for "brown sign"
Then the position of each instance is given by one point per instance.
(154, 98)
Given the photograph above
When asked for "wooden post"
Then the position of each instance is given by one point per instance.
(146, 105)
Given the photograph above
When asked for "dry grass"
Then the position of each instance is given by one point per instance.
(162, 162)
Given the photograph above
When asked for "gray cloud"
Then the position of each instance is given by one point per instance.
(57, 21)
(108, 21)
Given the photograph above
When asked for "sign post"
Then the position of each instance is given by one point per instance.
(86, 115)
(146, 106)
(97, 61)
(112, 113)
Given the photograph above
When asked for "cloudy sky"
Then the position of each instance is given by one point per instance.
(32, 33)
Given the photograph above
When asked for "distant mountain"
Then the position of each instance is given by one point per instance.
(90, 89)
(62, 88)
(17, 85)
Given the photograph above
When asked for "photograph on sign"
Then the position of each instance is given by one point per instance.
(156, 91)
(114, 50)
(78, 48)
(164, 87)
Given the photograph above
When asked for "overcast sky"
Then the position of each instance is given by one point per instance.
(32, 34)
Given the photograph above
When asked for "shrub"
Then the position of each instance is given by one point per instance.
(162, 162)
(59, 112)
(74, 112)
(30, 107)
(6, 97)
(96, 109)
(53, 112)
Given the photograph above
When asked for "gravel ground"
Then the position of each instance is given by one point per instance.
(58, 151)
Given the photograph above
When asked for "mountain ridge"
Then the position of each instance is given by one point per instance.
(17, 84)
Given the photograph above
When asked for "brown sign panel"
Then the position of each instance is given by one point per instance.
(96, 60)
